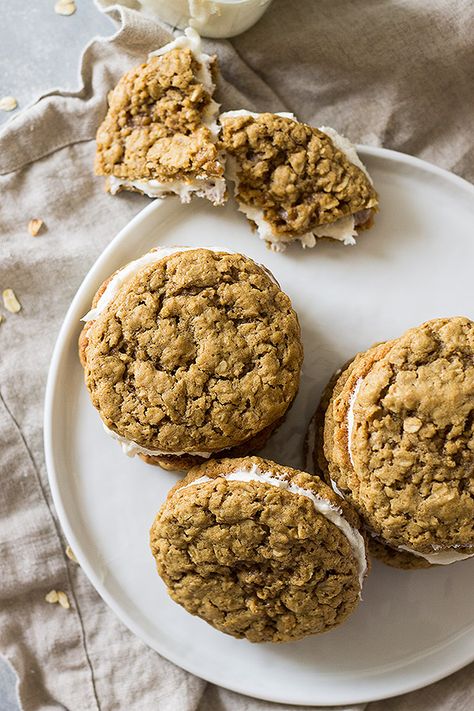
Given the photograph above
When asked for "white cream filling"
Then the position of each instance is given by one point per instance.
(131, 448)
(342, 229)
(213, 189)
(441, 557)
(323, 506)
(244, 112)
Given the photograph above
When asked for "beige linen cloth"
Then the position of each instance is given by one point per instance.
(396, 73)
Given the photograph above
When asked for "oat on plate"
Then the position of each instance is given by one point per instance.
(295, 182)
(159, 135)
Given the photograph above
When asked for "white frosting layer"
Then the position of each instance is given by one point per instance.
(342, 230)
(350, 417)
(441, 557)
(126, 273)
(213, 189)
(131, 448)
(244, 112)
(323, 506)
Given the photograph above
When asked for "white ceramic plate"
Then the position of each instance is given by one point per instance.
(411, 628)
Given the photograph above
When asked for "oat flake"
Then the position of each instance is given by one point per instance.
(10, 301)
(65, 7)
(8, 103)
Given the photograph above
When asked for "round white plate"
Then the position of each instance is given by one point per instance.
(411, 628)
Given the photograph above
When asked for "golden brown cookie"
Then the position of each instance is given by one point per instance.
(294, 181)
(189, 353)
(159, 135)
(259, 550)
(399, 441)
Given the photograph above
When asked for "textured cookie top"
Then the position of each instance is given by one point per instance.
(155, 126)
(197, 352)
(402, 438)
(293, 173)
(255, 560)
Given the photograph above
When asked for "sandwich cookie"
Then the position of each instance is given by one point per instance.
(191, 353)
(398, 443)
(259, 550)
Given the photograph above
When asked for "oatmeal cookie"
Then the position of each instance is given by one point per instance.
(294, 181)
(188, 352)
(159, 134)
(317, 463)
(259, 550)
(399, 441)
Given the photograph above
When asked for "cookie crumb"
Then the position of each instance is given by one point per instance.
(51, 597)
(70, 554)
(34, 226)
(65, 7)
(10, 301)
(8, 103)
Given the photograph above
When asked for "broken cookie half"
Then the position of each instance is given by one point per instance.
(160, 132)
(296, 182)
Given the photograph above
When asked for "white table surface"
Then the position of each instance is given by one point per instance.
(40, 50)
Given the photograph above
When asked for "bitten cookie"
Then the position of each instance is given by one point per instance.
(189, 354)
(296, 182)
(159, 135)
(259, 550)
(399, 443)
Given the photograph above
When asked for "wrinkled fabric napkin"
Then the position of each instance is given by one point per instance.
(395, 73)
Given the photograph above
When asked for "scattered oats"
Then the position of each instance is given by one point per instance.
(70, 554)
(34, 226)
(8, 103)
(63, 600)
(52, 596)
(10, 301)
(65, 7)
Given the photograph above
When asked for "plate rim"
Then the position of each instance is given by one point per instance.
(61, 509)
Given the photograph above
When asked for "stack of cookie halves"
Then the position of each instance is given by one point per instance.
(193, 358)
(163, 135)
(394, 436)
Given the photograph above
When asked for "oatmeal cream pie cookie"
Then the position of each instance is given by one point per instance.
(294, 181)
(259, 550)
(398, 443)
(189, 353)
(159, 134)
